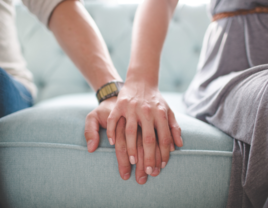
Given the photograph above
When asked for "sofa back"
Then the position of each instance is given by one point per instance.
(55, 74)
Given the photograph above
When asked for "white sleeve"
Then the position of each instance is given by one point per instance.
(42, 8)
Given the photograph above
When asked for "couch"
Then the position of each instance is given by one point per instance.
(43, 156)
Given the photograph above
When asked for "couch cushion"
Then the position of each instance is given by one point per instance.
(62, 120)
(44, 162)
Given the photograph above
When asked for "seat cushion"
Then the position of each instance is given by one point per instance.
(62, 120)
(43, 156)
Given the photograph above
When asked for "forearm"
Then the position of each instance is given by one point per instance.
(80, 38)
(149, 32)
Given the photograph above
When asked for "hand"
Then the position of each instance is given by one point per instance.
(124, 165)
(97, 117)
(141, 104)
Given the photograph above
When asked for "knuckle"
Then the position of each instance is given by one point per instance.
(121, 149)
(131, 150)
(175, 127)
(165, 141)
(149, 161)
(130, 130)
(90, 115)
(146, 110)
(123, 101)
(149, 139)
(133, 103)
(123, 168)
(162, 112)
(110, 118)
(87, 134)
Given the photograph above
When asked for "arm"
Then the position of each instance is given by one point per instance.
(80, 38)
(140, 101)
(149, 33)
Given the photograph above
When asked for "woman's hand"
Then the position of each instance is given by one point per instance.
(140, 101)
(141, 104)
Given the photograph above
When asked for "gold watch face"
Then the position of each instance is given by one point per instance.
(106, 90)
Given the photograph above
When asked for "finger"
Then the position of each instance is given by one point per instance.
(141, 176)
(92, 131)
(164, 135)
(149, 143)
(131, 137)
(157, 161)
(175, 129)
(121, 150)
(111, 124)
(172, 145)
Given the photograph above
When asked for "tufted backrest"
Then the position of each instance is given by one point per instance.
(55, 74)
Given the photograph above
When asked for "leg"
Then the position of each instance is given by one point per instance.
(13, 95)
(243, 114)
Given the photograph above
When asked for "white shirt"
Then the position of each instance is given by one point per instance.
(11, 59)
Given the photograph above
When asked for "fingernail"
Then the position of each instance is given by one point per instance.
(149, 170)
(89, 145)
(143, 179)
(132, 160)
(111, 141)
(172, 148)
(163, 164)
(156, 171)
(126, 176)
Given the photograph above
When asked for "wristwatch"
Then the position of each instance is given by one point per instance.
(109, 90)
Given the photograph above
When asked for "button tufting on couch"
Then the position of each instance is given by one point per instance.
(43, 156)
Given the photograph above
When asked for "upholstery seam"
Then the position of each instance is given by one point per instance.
(108, 150)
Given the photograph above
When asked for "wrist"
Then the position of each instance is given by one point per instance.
(102, 77)
(148, 77)
(108, 90)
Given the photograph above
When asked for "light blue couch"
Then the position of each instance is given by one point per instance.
(43, 156)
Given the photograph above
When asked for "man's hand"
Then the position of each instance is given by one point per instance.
(94, 120)
(124, 165)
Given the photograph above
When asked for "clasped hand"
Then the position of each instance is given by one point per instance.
(141, 125)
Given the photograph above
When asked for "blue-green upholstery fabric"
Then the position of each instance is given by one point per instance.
(45, 163)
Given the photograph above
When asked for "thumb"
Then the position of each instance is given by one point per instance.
(92, 131)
